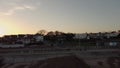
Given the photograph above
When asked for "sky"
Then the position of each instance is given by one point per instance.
(76, 16)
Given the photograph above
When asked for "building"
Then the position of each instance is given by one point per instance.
(109, 42)
(39, 38)
(81, 36)
(111, 34)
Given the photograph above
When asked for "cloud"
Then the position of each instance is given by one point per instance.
(29, 7)
(17, 8)
(9, 7)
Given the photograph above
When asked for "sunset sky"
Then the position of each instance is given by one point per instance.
(77, 16)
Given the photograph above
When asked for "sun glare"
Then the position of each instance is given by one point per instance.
(2, 31)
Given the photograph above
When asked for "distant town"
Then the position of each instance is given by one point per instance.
(60, 39)
(54, 49)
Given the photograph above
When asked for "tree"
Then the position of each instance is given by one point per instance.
(69, 36)
(58, 33)
(42, 32)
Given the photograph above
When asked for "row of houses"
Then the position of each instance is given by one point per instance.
(98, 39)
(21, 39)
(36, 39)
(96, 35)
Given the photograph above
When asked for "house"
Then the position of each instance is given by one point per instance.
(112, 34)
(94, 35)
(9, 39)
(109, 42)
(31, 39)
(81, 36)
(39, 38)
(112, 42)
(28, 39)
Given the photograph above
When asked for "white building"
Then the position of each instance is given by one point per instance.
(39, 38)
(112, 35)
(81, 36)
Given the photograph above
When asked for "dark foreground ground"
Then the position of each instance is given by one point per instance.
(67, 62)
(94, 58)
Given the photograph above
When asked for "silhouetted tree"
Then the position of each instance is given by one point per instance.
(69, 36)
(54, 37)
(50, 36)
(58, 33)
(42, 32)
(118, 36)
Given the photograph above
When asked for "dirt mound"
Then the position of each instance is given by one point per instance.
(61, 62)
(113, 62)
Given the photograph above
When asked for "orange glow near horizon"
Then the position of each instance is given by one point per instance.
(2, 31)
(8, 27)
